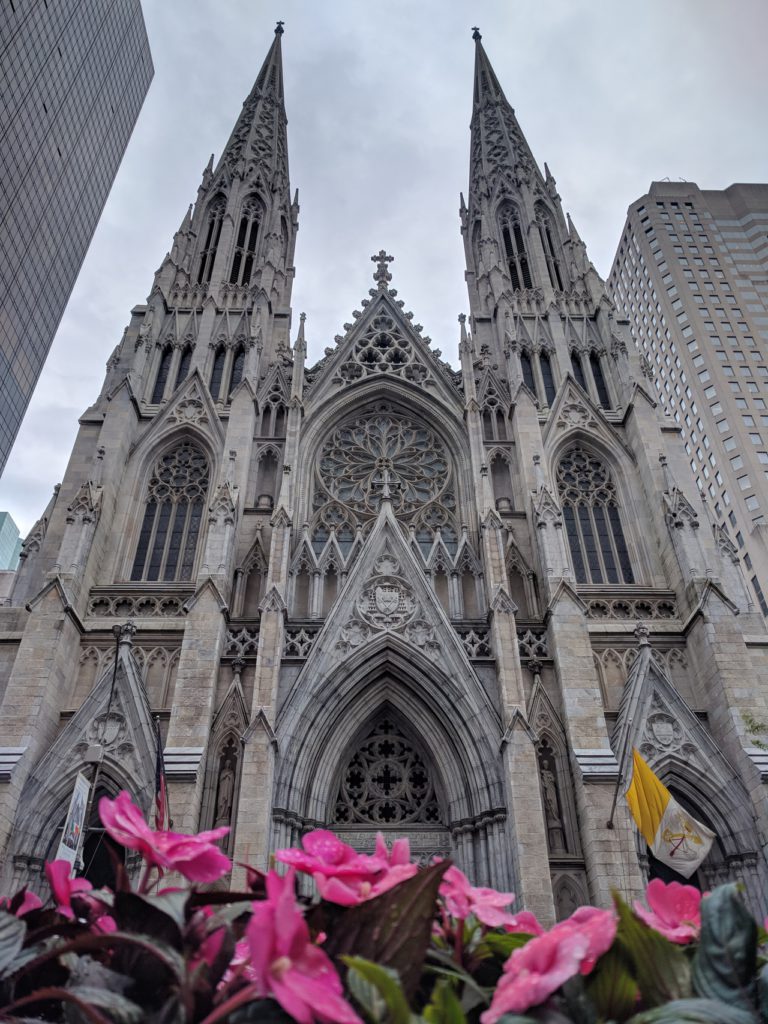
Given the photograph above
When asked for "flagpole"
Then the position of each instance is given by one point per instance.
(620, 779)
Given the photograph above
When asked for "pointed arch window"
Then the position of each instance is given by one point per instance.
(238, 363)
(578, 370)
(548, 235)
(592, 519)
(173, 515)
(163, 369)
(246, 242)
(211, 239)
(547, 377)
(217, 371)
(514, 250)
(526, 367)
(596, 367)
(184, 364)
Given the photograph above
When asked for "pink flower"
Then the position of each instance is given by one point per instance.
(536, 970)
(346, 877)
(599, 927)
(325, 854)
(23, 902)
(64, 887)
(524, 922)
(286, 964)
(196, 857)
(675, 910)
(462, 899)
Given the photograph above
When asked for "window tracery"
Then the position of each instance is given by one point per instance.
(592, 520)
(217, 370)
(384, 448)
(550, 247)
(184, 363)
(386, 782)
(514, 250)
(163, 370)
(383, 348)
(245, 242)
(173, 515)
(212, 236)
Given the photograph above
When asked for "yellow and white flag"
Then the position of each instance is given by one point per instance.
(675, 838)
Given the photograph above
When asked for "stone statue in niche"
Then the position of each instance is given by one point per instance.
(225, 792)
(551, 798)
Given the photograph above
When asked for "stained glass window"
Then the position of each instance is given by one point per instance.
(592, 521)
(172, 517)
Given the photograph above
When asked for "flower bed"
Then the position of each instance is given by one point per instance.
(385, 941)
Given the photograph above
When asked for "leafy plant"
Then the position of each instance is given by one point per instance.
(389, 943)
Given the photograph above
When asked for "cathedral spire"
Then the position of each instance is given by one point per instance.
(259, 135)
(498, 146)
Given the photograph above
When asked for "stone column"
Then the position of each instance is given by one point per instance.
(44, 668)
(525, 815)
(254, 812)
(609, 854)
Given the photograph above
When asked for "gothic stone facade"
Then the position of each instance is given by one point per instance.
(378, 592)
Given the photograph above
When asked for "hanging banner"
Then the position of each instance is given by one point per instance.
(74, 825)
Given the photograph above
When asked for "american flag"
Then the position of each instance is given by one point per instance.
(161, 796)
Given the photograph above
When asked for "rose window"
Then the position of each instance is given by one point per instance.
(386, 783)
(383, 449)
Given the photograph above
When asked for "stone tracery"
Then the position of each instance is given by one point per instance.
(386, 782)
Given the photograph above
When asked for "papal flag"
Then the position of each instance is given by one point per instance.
(675, 838)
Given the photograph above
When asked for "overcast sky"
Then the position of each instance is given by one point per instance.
(611, 94)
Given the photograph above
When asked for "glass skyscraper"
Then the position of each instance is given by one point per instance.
(73, 77)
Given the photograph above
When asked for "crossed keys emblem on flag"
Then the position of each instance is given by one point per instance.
(678, 835)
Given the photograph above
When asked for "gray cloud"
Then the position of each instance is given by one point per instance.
(611, 95)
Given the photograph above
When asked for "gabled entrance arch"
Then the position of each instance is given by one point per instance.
(322, 723)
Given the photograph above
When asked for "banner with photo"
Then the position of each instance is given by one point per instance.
(74, 825)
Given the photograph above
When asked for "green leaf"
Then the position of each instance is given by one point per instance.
(503, 946)
(694, 1011)
(12, 933)
(367, 980)
(393, 930)
(611, 986)
(444, 1007)
(724, 965)
(662, 969)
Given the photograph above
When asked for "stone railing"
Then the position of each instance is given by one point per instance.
(532, 643)
(108, 602)
(476, 641)
(631, 606)
(298, 642)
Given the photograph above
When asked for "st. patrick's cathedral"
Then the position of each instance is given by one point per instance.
(379, 592)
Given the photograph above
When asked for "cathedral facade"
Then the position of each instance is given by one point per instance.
(381, 593)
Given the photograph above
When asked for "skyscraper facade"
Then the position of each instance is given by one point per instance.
(691, 276)
(10, 542)
(380, 592)
(73, 77)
